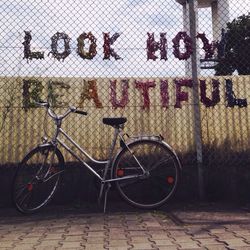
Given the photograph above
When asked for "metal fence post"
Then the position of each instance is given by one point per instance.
(197, 111)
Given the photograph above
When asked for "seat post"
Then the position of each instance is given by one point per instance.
(112, 147)
(111, 150)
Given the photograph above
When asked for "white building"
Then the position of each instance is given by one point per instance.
(220, 14)
(219, 17)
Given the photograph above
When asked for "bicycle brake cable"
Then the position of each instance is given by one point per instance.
(45, 124)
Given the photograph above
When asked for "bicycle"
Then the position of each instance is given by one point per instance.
(145, 170)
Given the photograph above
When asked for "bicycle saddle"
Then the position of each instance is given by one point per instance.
(114, 121)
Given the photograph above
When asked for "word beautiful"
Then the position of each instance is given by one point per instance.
(86, 46)
(33, 90)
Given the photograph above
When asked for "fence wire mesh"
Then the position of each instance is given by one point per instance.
(128, 58)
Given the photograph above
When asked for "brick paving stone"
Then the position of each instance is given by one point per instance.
(233, 227)
(33, 234)
(74, 232)
(95, 221)
(216, 247)
(178, 233)
(96, 234)
(246, 238)
(49, 243)
(142, 246)
(114, 230)
(239, 248)
(116, 219)
(10, 237)
(242, 233)
(117, 236)
(24, 247)
(218, 230)
(236, 242)
(193, 248)
(139, 238)
(38, 229)
(184, 239)
(31, 240)
(58, 230)
(210, 241)
(114, 225)
(6, 244)
(56, 224)
(168, 248)
(245, 226)
(196, 227)
(152, 224)
(135, 227)
(133, 223)
(77, 227)
(96, 227)
(117, 243)
(3, 232)
(161, 237)
(227, 236)
(73, 245)
(45, 248)
(95, 240)
(190, 244)
(147, 215)
(73, 237)
(196, 230)
(164, 242)
(139, 233)
(119, 247)
(131, 217)
(202, 236)
(94, 246)
(53, 236)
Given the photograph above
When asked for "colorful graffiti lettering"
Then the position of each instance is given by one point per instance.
(33, 91)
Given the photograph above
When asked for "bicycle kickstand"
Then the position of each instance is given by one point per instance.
(105, 197)
(105, 190)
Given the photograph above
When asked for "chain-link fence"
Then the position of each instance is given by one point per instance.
(173, 67)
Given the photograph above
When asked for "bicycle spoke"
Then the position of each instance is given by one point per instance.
(159, 182)
(36, 179)
(25, 197)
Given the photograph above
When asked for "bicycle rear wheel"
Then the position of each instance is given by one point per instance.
(158, 186)
(37, 178)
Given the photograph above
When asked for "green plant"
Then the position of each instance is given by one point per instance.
(236, 54)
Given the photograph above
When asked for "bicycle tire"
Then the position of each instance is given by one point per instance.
(164, 172)
(36, 180)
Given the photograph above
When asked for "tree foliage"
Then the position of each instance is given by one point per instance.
(235, 48)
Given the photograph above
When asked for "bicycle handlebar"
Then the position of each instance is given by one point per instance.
(80, 112)
(60, 117)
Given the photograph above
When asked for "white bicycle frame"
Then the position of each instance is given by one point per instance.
(108, 164)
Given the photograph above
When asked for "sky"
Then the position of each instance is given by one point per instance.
(132, 19)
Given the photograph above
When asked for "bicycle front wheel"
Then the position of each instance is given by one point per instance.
(37, 178)
(158, 185)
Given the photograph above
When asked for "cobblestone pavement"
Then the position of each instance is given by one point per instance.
(179, 227)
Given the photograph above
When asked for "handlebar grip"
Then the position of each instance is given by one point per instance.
(80, 112)
(43, 104)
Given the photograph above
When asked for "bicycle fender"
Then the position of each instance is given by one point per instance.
(157, 138)
(144, 138)
(57, 151)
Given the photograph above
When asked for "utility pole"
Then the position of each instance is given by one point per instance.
(197, 111)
